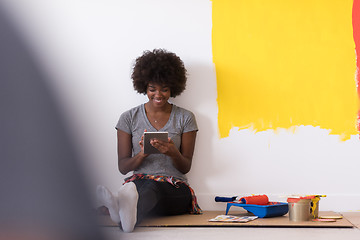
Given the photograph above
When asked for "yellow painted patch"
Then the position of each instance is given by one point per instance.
(285, 63)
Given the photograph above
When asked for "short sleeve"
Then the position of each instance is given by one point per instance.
(124, 123)
(190, 122)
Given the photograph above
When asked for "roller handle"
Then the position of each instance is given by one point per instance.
(224, 199)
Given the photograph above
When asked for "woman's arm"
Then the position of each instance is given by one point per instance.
(126, 163)
(181, 159)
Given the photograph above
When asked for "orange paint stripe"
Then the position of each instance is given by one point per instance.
(356, 35)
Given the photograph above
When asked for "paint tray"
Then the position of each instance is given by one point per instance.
(272, 209)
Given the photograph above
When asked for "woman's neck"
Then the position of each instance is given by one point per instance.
(164, 109)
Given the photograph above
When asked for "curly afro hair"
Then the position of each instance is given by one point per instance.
(159, 67)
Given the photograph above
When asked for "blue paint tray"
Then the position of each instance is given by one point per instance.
(272, 209)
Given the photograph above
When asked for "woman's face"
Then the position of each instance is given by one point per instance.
(158, 94)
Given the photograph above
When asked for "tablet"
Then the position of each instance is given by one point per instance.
(148, 148)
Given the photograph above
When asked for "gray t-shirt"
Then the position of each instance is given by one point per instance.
(135, 121)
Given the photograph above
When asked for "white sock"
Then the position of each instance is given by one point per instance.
(128, 198)
(106, 198)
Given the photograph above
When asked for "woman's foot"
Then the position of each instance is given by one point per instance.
(107, 199)
(128, 198)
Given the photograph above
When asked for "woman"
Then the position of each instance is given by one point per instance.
(158, 184)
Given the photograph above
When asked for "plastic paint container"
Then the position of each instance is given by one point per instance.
(299, 209)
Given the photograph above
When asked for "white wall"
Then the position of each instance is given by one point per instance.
(88, 48)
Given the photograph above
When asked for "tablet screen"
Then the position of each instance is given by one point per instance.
(148, 148)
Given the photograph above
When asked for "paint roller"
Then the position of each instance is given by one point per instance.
(254, 199)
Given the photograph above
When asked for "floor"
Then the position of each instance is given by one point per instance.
(235, 233)
(192, 233)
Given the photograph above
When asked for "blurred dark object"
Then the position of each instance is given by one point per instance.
(43, 194)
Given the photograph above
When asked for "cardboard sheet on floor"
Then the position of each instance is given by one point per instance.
(353, 217)
(202, 220)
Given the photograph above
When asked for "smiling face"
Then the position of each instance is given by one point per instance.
(158, 94)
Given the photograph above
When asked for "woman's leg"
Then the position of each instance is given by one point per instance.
(149, 196)
(174, 200)
(128, 200)
(137, 199)
(123, 207)
(161, 198)
(107, 199)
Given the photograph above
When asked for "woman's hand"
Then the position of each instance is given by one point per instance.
(141, 143)
(127, 162)
(181, 159)
(165, 147)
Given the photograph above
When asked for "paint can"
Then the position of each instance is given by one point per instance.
(299, 209)
(315, 207)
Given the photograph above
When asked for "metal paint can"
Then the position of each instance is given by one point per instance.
(299, 209)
